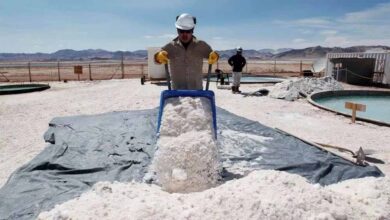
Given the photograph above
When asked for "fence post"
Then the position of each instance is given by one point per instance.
(90, 72)
(122, 68)
(29, 71)
(300, 68)
(58, 70)
(274, 67)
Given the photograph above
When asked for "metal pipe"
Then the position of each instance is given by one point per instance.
(208, 77)
(168, 76)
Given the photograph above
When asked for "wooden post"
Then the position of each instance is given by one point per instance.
(58, 71)
(123, 68)
(274, 67)
(300, 68)
(90, 72)
(142, 71)
(78, 70)
(29, 71)
(355, 107)
(246, 68)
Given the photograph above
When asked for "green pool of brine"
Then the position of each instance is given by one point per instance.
(377, 107)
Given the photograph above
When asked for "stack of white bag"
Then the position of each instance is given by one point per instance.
(187, 158)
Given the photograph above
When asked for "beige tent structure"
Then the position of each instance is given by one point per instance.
(359, 68)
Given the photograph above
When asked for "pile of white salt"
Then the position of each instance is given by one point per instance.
(264, 194)
(187, 158)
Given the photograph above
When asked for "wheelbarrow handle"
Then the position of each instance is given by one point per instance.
(208, 77)
(168, 76)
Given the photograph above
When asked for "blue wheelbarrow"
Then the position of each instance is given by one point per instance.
(166, 94)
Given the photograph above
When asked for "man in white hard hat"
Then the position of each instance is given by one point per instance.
(185, 54)
(238, 62)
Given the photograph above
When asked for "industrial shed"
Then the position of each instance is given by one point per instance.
(359, 68)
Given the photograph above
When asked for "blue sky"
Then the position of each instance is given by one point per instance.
(51, 25)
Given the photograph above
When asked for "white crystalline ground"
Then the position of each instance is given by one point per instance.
(187, 157)
(263, 194)
(290, 89)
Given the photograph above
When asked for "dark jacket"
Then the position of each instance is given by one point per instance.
(238, 62)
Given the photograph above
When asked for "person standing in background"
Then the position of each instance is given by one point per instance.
(238, 62)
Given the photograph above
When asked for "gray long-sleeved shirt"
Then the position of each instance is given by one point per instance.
(186, 64)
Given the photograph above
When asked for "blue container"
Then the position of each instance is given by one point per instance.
(166, 94)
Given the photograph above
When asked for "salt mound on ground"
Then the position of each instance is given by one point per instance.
(187, 157)
(290, 89)
(264, 194)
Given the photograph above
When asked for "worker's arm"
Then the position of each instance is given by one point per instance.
(243, 62)
(230, 61)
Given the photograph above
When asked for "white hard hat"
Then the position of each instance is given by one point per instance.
(185, 22)
(239, 49)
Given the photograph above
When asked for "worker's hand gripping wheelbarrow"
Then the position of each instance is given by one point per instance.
(166, 94)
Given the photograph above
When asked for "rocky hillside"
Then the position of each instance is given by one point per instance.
(263, 54)
(319, 52)
(71, 55)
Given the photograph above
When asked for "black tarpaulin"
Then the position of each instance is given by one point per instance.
(119, 146)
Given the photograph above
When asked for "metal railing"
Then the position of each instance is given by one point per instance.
(344, 73)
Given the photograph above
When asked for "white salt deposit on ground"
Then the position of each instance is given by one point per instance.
(187, 158)
(290, 89)
(263, 194)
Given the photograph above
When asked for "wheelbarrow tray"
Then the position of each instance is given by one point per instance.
(166, 94)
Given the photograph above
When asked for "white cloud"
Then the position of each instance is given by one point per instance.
(328, 32)
(372, 42)
(299, 40)
(379, 13)
(305, 31)
(169, 36)
(366, 27)
(315, 22)
(164, 36)
(332, 41)
(132, 5)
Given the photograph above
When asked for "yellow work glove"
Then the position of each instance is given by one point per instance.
(161, 57)
(213, 57)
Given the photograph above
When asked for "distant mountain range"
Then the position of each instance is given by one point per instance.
(318, 52)
(263, 54)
